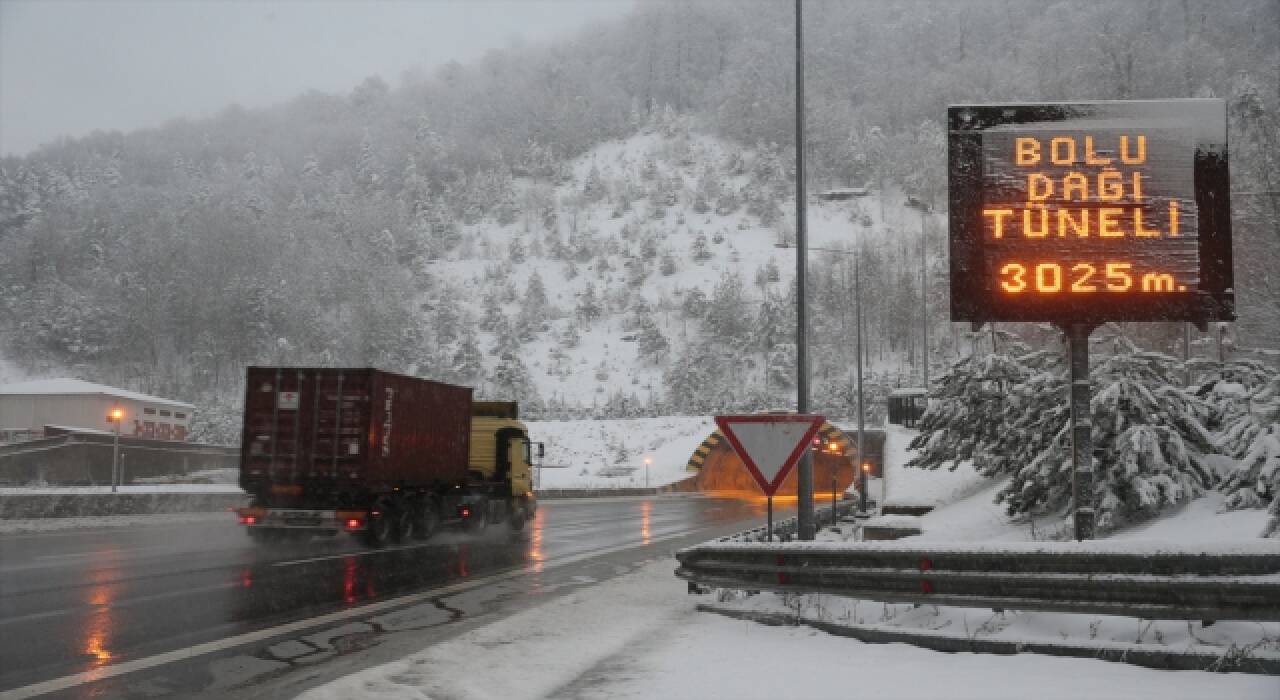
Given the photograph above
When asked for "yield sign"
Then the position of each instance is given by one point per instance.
(769, 445)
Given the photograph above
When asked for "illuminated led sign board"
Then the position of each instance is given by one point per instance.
(1090, 212)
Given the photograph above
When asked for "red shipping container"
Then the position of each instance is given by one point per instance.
(352, 429)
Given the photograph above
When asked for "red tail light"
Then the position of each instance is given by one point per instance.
(248, 519)
(466, 512)
(353, 523)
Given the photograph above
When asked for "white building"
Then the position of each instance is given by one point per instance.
(27, 407)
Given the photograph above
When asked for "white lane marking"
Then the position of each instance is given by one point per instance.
(111, 671)
(364, 553)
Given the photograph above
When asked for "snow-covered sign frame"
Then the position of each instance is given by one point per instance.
(1090, 212)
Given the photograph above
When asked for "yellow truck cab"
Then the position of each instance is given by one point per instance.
(502, 452)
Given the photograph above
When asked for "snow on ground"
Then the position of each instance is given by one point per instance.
(1200, 521)
(126, 489)
(923, 486)
(42, 525)
(578, 451)
(640, 637)
(229, 475)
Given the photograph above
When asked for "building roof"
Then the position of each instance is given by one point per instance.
(78, 387)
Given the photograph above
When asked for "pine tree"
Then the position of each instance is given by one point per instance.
(467, 365)
(511, 379)
(1152, 437)
(700, 252)
(593, 189)
(968, 411)
(652, 344)
(589, 309)
(534, 308)
(1252, 438)
(369, 173)
(667, 266)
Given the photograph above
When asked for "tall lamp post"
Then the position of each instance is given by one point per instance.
(115, 416)
(924, 209)
(804, 477)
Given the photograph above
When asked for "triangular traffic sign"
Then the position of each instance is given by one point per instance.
(769, 445)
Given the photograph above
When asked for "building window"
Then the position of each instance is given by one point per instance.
(149, 411)
(165, 414)
(179, 416)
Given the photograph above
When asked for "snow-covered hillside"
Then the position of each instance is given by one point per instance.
(643, 227)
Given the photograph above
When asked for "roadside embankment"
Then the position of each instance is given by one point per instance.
(74, 503)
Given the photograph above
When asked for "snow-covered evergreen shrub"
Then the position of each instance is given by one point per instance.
(1010, 415)
(968, 410)
(1252, 438)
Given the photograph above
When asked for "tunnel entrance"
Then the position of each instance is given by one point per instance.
(718, 468)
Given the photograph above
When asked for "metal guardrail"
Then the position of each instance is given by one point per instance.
(1186, 585)
(786, 529)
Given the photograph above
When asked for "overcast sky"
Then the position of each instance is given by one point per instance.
(68, 67)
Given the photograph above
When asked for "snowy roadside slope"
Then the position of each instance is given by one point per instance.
(640, 637)
(586, 447)
(923, 486)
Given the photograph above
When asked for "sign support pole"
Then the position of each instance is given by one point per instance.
(1081, 429)
(768, 530)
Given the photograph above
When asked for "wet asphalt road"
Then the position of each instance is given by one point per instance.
(75, 602)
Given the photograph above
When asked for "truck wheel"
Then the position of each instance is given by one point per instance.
(402, 519)
(517, 520)
(428, 520)
(379, 529)
(479, 519)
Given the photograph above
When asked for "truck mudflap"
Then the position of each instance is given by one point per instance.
(303, 519)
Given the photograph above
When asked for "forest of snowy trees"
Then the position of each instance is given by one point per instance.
(311, 233)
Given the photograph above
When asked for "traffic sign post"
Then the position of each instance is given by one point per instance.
(1084, 213)
(769, 446)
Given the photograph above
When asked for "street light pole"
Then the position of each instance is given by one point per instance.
(862, 413)
(115, 416)
(804, 487)
(924, 305)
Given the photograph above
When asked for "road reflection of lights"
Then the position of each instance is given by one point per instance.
(464, 553)
(646, 510)
(349, 565)
(98, 634)
(535, 540)
(246, 578)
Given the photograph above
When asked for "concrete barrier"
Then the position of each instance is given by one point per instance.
(552, 494)
(15, 506)
(688, 485)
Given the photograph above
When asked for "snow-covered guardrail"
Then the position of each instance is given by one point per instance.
(1143, 580)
